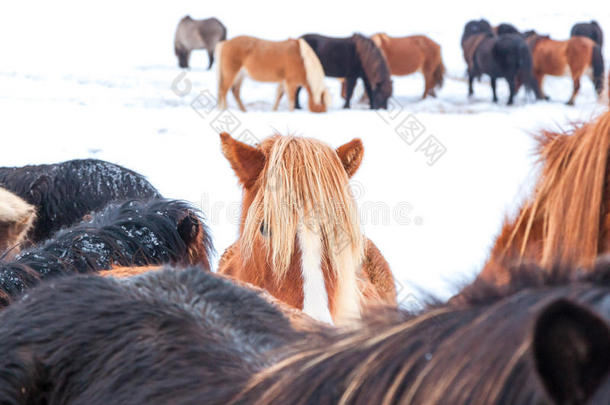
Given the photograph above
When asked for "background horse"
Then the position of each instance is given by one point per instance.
(168, 337)
(63, 193)
(131, 234)
(590, 30)
(506, 56)
(292, 63)
(352, 58)
(505, 28)
(300, 238)
(406, 55)
(573, 56)
(197, 34)
(567, 219)
(16, 219)
(540, 340)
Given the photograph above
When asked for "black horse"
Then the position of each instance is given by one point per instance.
(352, 58)
(590, 30)
(63, 193)
(165, 337)
(131, 234)
(506, 28)
(506, 56)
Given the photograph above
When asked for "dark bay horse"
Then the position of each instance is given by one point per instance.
(506, 56)
(352, 58)
(543, 339)
(63, 193)
(197, 34)
(590, 30)
(166, 337)
(130, 234)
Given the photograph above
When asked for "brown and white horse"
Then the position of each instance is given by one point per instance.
(573, 57)
(16, 219)
(291, 63)
(407, 55)
(567, 220)
(299, 235)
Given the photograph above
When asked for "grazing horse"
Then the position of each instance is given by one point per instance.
(352, 58)
(168, 337)
(16, 219)
(292, 63)
(506, 56)
(567, 219)
(570, 57)
(406, 55)
(197, 34)
(299, 233)
(132, 234)
(590, 30)
(63, 193)
(538, 341)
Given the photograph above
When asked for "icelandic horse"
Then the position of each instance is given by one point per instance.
(574, 57)
(299, 235)
(291, 63)
(407, 55)
(566, 221)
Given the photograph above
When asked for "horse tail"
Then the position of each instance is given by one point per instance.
(525, 66)
(439, 75)
(597, 63)
(314, 74)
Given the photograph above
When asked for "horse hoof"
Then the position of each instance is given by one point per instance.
(570, 103)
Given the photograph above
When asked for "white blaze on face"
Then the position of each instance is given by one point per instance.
(315, 298)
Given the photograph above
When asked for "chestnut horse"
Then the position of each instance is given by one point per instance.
(570, 57)
(16, 219)
(567, 220)
(292, 63)
(407, 55)
(300, 237)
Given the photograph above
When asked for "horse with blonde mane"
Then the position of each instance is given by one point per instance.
(16, 219)
(407, 55)
(292, 63)
(574, 57)
(567, 220)
(300, 236)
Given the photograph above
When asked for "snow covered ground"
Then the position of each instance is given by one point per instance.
(81, 79)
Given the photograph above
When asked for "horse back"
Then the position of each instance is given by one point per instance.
(406, 55)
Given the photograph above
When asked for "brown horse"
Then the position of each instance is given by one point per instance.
(292, 63)
(300, 237)
(573, 57)
(16, 219)
(407, 55)
(567, 220)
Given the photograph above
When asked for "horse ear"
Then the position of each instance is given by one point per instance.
(247, 161)
(571, 351)
(350, 155)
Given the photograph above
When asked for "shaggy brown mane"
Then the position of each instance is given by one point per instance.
(373, 63)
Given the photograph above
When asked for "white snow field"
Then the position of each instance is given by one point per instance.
(82, 79)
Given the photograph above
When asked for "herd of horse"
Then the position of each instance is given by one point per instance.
(107, 293)
(521, 58)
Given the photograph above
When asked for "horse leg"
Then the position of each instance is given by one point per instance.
(183, 57)
(539, 79)
(350, 83)
(470, 80)
(493, 89)
(429, 84)
(225, 82)
(511, 87)
(576, 80)
(278, 95)
(291, 92)
(236, 89)
(210, 58)
(297, 105)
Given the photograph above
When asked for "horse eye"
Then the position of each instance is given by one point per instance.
(264, 230)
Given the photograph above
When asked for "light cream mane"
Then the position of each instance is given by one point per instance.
(315, 74)
(16, 217)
